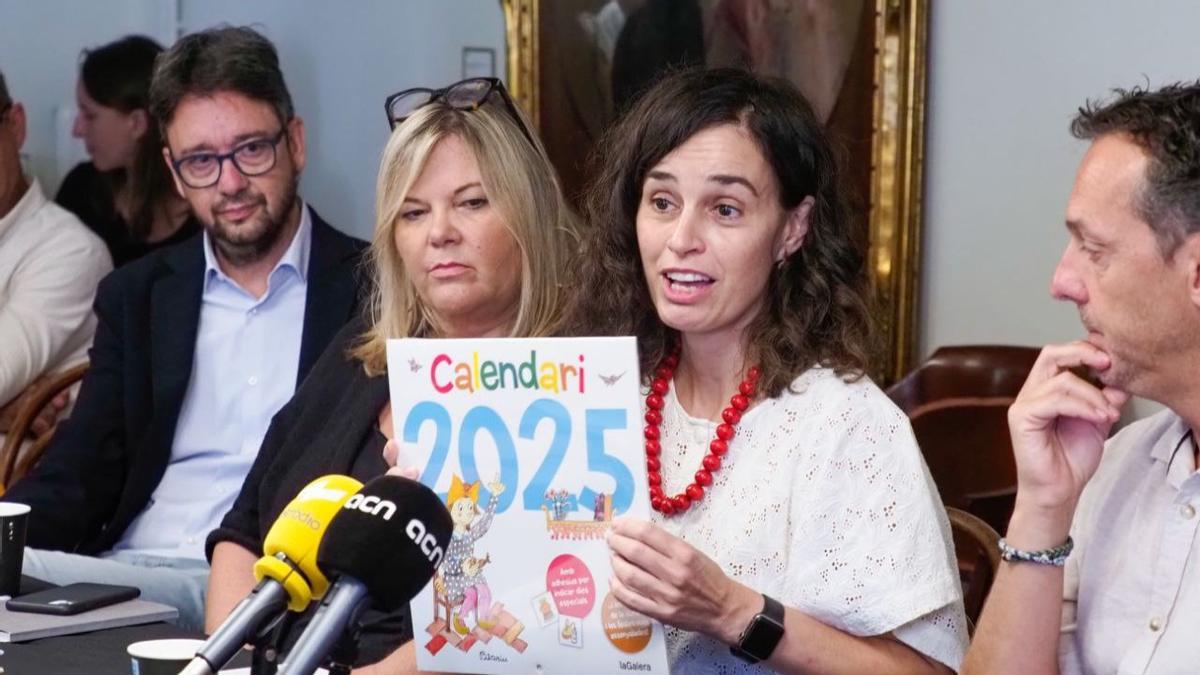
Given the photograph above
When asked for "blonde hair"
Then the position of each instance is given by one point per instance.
(520, 183)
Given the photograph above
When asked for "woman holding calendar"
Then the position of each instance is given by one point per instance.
(471, 237)
(796, 527)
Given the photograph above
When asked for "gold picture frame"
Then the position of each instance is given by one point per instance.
(896, 158)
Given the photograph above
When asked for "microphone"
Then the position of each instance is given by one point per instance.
(288, 575)
(384, 544)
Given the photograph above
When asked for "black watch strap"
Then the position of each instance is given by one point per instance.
(763, 633)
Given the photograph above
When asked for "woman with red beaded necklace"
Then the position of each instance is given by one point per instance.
(795, 523)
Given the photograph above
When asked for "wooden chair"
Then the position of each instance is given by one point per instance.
(957, 402)
(15, 462)
(977, 548)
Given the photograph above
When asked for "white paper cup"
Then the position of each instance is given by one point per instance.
(162, 657)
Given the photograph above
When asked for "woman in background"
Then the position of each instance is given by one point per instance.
(125, 194)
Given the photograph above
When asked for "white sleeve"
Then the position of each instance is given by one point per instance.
(888, 561)
(940, 635)
(47, 309)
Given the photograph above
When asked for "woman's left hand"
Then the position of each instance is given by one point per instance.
(666, 578)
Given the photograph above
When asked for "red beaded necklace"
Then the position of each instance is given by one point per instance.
(718, 447)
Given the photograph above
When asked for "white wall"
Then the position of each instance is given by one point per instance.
(1005, 79)
(340, 59)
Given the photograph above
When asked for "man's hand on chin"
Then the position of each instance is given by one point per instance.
(1059, 423)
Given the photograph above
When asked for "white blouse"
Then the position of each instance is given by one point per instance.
(824, 503)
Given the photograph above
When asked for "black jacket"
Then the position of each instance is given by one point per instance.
(105, 461)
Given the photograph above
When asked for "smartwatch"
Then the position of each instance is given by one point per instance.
(765, 630)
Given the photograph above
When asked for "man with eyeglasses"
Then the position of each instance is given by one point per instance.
(50, 264)
(199, 344)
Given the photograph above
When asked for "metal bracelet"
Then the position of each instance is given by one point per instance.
(1056, 556)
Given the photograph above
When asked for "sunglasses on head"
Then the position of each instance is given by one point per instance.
(465, 95)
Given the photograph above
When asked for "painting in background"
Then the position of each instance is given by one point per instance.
(598, 55)
(574, 65)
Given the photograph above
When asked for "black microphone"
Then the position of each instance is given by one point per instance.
(383, 545)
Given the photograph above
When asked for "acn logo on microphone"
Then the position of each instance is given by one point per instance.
(427, 542)
(372, 505)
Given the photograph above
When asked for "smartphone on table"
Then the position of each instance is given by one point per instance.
(73, 598)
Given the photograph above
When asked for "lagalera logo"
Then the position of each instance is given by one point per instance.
(429, 546)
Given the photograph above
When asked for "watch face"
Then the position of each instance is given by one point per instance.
(759, 639)
(762, 637)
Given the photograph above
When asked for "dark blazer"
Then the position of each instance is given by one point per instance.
(106, 460)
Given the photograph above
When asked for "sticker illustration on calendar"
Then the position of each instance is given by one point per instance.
(534, 445)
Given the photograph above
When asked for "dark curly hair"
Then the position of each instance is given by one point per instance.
(817, 311)
(1166, 124)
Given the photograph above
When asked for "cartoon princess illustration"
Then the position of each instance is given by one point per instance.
(461, 580)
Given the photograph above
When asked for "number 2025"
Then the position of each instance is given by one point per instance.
(483, 418)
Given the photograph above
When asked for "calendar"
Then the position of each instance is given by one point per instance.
(534, 445)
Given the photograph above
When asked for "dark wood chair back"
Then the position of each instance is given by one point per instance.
(977, 547)
(965, 371)
(957, 402)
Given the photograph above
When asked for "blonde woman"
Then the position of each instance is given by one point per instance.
(470, 241)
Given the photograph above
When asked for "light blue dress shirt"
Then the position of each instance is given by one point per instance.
(244, 371)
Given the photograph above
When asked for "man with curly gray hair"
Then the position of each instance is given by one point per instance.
(1097, 577)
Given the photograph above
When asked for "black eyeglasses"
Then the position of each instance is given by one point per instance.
(252, 158)
(464, 95)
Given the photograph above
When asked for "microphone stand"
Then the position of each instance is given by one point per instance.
(250, 622)
(349, 599)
